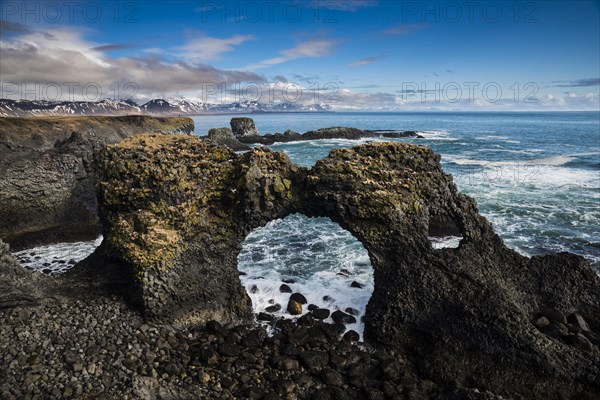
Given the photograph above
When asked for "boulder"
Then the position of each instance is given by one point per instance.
(225, 137)
(243, 127)
(294, 308)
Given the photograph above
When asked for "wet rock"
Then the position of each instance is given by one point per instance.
(298, 297)
(264, 317)
(321, 313)
(294, 308)
(253, 289)
(312, 307)
(351, 311)
(340, 317)
(273, 308)
(357, 285)
(285, 289)
(351, 336)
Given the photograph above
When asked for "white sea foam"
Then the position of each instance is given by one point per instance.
(445, 242)
(56, 258)
(316, 257)
(437, 135)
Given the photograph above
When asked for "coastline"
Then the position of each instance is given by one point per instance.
(378, 192)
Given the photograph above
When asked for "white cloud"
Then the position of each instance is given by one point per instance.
(34, 60)
(365, 61)
(309, 49)
(205, 48)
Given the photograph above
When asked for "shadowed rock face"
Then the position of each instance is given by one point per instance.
(175, 211)
(225, 137)
(47, 174)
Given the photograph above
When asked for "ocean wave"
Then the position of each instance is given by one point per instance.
(315, 257)
(56, 258)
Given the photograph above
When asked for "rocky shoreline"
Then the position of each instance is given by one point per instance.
(105, 350)
(158, 310)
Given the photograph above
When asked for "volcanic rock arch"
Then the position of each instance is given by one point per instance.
(175, 211)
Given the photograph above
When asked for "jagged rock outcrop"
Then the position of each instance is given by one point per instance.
(225, 137)
(334, 132)
(243, 127)
(19, 286)
(175, 211)
(47, 173)
(172, 216)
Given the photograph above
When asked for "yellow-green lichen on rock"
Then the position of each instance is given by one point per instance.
(159, 191)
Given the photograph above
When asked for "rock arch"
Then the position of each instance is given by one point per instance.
(175, 211)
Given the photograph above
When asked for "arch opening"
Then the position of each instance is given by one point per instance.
(444, 232)
(315, 257)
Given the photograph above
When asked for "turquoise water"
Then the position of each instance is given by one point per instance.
(535, 176)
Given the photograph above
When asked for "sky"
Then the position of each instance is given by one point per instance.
(354, 55)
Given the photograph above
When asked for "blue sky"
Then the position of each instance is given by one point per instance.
(353, 54)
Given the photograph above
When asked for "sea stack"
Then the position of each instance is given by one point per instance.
(243, 127)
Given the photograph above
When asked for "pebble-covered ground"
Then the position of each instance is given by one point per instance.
(103, 349)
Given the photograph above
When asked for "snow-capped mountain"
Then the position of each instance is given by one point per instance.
(25, 108)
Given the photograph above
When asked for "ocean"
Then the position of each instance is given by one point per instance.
(535, 176)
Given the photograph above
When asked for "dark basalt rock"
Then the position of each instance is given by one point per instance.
(321, 313)
(299, 297)
(20, 287)
(335, 132)
(341, 318)
(175, 211)
(47, 173)
(285, 289)
(243, 127)
(225, 137)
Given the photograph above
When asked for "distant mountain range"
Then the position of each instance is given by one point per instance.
(29, 108)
